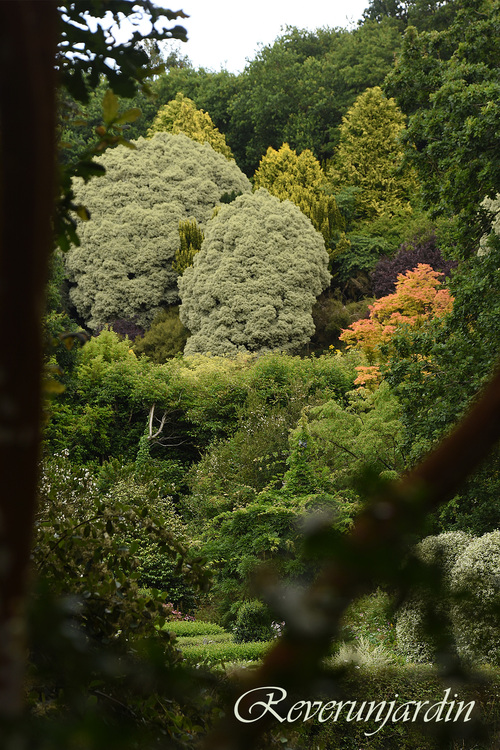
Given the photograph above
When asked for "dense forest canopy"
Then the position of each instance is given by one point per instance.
(272, 298)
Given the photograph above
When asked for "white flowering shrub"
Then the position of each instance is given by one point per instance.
(73, 488)
(475, 580)
(414, 639)
(278, 628)
(255, 280)
(492, 206)
(444, 549)
(123, 267)
(104, 548)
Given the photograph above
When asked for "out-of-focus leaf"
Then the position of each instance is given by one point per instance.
(83, 213)
(129, 116)
(53, 386)
(110, 106)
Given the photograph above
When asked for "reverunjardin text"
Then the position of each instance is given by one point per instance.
(265, 701)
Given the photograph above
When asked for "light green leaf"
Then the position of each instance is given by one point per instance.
(128, 144)
(83, 213)
(53, 386)
(129, 116)
(109, 106)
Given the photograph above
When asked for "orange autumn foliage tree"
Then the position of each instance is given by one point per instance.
(419, 296)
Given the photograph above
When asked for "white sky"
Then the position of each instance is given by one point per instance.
(225, 33)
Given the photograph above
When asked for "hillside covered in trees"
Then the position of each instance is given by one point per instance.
(271, 297)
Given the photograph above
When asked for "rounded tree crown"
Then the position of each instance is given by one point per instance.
(123, 267)
(254, 282)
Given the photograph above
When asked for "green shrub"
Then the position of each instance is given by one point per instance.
(253, 623)
(159, 566)
(192, 628)
(156, 571)
(186, 641)
(246, 461)
(272, 391)
(400, 684)
(475, 580)
(265, 531)
(370, 618)
(211, 392)
(223, 653)
(166, 337)
(91, 547)
(282, 379)
(415, 619)
(348, 437)
(104, 411)
(331, 315)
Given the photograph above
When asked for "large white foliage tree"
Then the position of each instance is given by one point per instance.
(254, 282)
(123, 267)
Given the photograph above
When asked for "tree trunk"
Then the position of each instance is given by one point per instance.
(28, 33)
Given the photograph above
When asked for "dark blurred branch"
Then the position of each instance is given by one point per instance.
(27, 189)
(373, 551)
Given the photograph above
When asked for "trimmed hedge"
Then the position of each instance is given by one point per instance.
(184, 641)
(222, 653)
(408, 683)
(190, 627)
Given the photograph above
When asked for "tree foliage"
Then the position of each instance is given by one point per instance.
(425, 15)
(210, 90)
(90, 552)
(419, 296)
(448, 83)
(297, 89)
(123, 267)
(181, 116)
(86, 53)
(255, 280)
(459, 351)
(191, 237)
(166, 337)
(88, 683)
(300, 179)
(343, 439)
(422, 248)
(370, 156)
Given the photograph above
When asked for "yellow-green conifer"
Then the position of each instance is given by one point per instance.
(181, 116)
(300, 179)
(370, 156)
(191, 238)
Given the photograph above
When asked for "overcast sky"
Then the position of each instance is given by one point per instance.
(225, 33)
